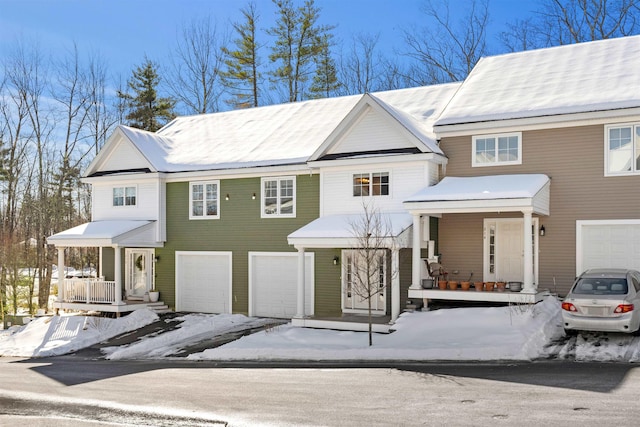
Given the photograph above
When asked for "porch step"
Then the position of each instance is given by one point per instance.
(159, 307)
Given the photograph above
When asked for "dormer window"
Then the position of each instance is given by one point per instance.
(497, 150)
(371, 184)
(124, 196)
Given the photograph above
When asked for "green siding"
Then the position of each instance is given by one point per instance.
(239, 230)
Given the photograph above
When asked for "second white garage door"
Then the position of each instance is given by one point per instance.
(613, 244)
(273, 283)
(203, 282)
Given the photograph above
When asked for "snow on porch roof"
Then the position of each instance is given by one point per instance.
(336, 231)
(98, 233)
(484, 194)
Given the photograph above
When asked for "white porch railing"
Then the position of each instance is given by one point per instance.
(89, 291)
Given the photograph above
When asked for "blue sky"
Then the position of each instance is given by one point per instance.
(124, 31)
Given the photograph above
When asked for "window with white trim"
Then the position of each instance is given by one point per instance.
(204, 200)
(279, 197)
(371, 184)
(622, 149)
(496, 150)
(124, 196)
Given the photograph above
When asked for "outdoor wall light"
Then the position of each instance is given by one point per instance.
(542, 230)
(156, 258)
(253, 197)
(336, 260)
(227, 197)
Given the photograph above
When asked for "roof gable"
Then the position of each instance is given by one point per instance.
(389, 121)
(120, 153)
(579, 78)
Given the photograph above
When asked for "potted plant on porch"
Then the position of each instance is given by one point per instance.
(154, 295)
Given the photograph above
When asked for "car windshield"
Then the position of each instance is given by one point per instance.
(601, 286)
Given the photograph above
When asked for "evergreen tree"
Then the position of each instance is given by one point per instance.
(325, 82)
(145, 109)
(241, 75)
(298, 43)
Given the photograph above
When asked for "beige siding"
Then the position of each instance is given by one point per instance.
(574, 160)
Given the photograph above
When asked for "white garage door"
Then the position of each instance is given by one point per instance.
(203, 282)
(273, 284)
(614, 244)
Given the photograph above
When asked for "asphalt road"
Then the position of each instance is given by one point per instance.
(70, 391)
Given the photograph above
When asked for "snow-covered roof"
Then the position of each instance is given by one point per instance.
(335, 230)
(100, 233)
(484, 193)
(277, 135)
(579, 78)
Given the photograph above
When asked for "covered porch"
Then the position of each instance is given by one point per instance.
(337, 232)
(510, 245)
(122, 286)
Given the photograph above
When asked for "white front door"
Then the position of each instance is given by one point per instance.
(504, 249)
(359, 281)
(139, 276)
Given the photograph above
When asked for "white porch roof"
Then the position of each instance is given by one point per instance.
(338, 231)
(493, 193)
(138, 233)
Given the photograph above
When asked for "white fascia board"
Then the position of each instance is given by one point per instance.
(469, 206)
(538, 123)
(384, 158)
(257, 172)
(340, 242)
(124, 177)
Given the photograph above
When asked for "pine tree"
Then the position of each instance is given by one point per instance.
(325, 82)
(145, 109)
(298, 43)
(241, 75)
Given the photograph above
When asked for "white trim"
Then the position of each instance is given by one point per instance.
(495, 137)
(384, 158)
(386, 287)
(204, 200)
(371, 195)
(537, 123)
(228, 254)
(579, 242)
(278, 179)
(149, 266)
(310, 277)
(634, 150)
(255, 172)
(489, 277)
(124, 196)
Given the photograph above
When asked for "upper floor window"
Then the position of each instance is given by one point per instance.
(204, 200)
(279, 197)
(124, 196)
(495, 150)
(371, 184)
(622, 149)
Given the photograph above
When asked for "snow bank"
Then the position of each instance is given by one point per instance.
(56, 335)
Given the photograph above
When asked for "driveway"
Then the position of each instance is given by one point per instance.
(168, 322)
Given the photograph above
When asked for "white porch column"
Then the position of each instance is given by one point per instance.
(529, 286)
(100, 273)
(301, 267)
(416, 266)
(395, 284)
(117, 271)
(61, 274)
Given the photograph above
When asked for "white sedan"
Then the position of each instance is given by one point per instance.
(603, 300)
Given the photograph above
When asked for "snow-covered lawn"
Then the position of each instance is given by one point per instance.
(495, 333)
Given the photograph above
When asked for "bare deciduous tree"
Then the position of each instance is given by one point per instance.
(194, 70)
(367, 268)
(560, 22)
(445, 51)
